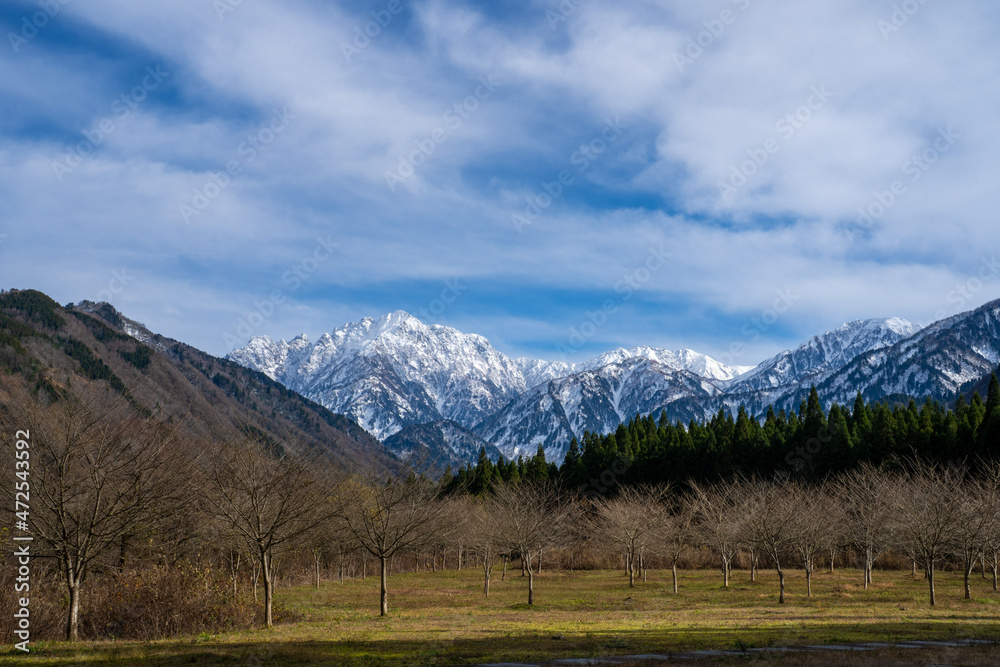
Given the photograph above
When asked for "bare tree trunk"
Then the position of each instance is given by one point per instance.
(531, 584)
(524, 571)
(234, 568)
(341, 570)
(809, 585)
(781, 582)
(123, 545)
(982, 562)
(504, 576)
(384, 597)
(833, 557)
(73, 617)
(317, 557)
(266, 566)
(539, 561)
(725, 572)
(913, 569)
(459, 556)
(256, 579)
(968, 565)
(673, 569)
(996, 565)
(930, 581)
(631, 570)
(364, 566)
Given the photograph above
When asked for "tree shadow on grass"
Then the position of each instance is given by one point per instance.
(497, 648)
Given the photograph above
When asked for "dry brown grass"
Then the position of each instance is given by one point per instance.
(442, 618)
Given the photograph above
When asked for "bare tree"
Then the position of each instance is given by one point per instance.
(811, 531)
(329, 539)
(99, 475)
(676, 529)
(977, 506)
(629, 521)
(719, 521)
(771, 516)
(990, 482)
(388, 516)
(929, 508)
(266, 497)
(868, 496)
(529, 518)
(483, 536)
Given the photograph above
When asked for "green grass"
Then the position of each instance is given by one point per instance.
(443, 618)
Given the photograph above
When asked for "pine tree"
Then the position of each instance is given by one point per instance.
(839, 450)
(573, 472)
(989, 432)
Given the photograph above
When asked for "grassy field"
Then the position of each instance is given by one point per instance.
(443, 619)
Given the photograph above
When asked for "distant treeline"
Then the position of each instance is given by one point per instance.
(810, 444)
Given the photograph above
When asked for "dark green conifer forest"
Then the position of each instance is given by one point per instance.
(811, 444)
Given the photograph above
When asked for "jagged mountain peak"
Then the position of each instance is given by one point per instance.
(814, 360)
(873, 326)
(395, 371)
(684, 359)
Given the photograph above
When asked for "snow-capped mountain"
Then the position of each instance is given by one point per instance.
(936, 361)
(392, 372)
(397, 371)
(822, 355)
(785, 378)
(598, 400)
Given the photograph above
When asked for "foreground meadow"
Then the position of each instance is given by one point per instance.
(443, 619)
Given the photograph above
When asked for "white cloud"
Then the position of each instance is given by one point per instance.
(790, 225)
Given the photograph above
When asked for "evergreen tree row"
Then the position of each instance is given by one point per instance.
(811, 443)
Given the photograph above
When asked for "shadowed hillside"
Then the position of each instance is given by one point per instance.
(49, 349)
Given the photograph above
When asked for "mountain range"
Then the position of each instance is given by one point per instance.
(432, 394)
(397, 373)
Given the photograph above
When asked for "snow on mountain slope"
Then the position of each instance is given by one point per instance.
(396, 371)
(596, 400)
(439, 444)
(822, 355)
(680, 360)
(391, 372)
(936, 361)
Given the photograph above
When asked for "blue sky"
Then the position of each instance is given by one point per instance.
(218, 169)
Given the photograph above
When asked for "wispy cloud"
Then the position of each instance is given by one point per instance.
(791, 224)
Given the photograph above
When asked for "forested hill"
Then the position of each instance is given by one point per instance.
(50, 350)
(810, 443)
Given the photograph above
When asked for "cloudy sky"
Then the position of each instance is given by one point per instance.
(731, 176)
